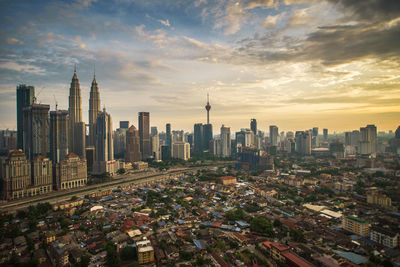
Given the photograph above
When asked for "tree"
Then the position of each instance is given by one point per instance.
(261, 225)
(121, 171)
(234, 215)
(128, 253)
(112, 259)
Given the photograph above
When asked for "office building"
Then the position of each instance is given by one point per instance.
(41, 177)
(58, 135)
(70, 173)
(225, 141)
(325, 134)
(181, 150)
(15, 175)
(119, 141)
(168, 137)
(94, 110)
(153, 130)
(132, 153)
(104, 154)
(36, 130)
(273, 135)
(315, 141)
(198, 138)
(347, 138)
(355, 138)
(124, 124)
(367, 143)
(25, 98)
(207, 136)
(165, 152)
(144, 133)
(253, 126)
(8, 140)
(155, 144)
(77, 128)
(356, 225)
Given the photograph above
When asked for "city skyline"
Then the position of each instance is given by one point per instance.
(295, 66)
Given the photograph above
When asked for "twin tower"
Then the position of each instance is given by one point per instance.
(77, 128)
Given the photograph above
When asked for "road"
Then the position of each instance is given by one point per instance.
(125, 180)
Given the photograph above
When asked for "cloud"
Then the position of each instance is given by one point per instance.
(234, 16)
(158, 37)
(164, 22)
(12, 40)
(22, 67)
(271, 21)
(262, 3)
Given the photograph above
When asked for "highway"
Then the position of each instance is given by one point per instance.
(125, 180)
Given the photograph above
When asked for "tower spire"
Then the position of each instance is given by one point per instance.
(75, 68)
(208, 107)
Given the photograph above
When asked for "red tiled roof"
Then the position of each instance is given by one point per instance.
(296, 260)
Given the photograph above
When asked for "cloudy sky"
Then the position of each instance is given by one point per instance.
(293, 63)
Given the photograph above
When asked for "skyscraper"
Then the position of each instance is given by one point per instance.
(325, 134)
(207, 136)
(168, 136)
(58, 135)
(77, 129)
(94, 110)
(253, 126)
(155, 143)
(144, 133)
(225, 141)
(368, 140)
(132, 152)
(198, 138)
(303, 142)
(273, 135)
(104, 154)
(347, 138)
(25, 97)
(36, 133)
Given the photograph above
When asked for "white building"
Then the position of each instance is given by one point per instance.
(225, 141)
(181, 150)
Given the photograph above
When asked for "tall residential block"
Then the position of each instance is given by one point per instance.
(36, 133)
(168, 136)
(253, 126)
(325, 134)
(367, 143)
(155, 143)
(225, 141)
(58, 135)
(207, 136)
(25, 98)
(144, 134)
(132, 153)
(181, 150)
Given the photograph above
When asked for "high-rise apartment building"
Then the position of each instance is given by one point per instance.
(94, 110)
(58, 135)
(8, 140)
(225, 141)
(77, 128)
(144, 133)
(132, 153)
(303, 141)
(347, 138)
(273, 135)
(155, 144)
(181, 150)
(367, 141)
(25, 98)
(119, 141)
(36, 130)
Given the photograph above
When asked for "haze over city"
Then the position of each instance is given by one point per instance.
(295, 64)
